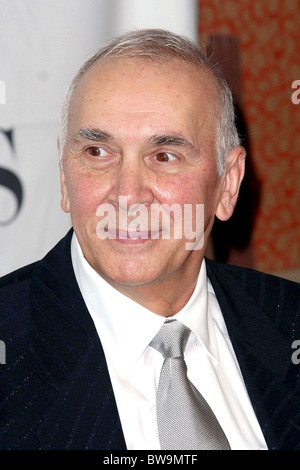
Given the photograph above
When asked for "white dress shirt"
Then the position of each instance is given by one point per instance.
(126, 328)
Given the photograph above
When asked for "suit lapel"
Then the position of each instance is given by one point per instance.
(67, 353)
(264, 356)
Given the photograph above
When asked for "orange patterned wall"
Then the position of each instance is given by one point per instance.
(269, 38)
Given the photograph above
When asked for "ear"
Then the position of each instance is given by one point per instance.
(65, 201)
(233, 176)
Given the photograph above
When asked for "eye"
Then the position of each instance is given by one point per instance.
(98, 158)
(165, 157)
(96, 151)
(165, 162)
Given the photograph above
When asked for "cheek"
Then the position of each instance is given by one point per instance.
(182, 190)
(197, 187)
(84, 196)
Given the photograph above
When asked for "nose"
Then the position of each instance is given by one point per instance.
(132, 184)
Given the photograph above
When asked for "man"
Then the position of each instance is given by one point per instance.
(147, 124)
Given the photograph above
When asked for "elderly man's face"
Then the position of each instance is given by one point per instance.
(143, 134)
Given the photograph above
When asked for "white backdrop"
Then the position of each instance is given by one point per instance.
(43, 43)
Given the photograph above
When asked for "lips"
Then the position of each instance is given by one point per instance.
(133, 235)
(120, 234)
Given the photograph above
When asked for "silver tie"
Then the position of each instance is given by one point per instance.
(185, 420)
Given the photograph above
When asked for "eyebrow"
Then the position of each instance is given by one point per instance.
(93, 134)
(170, 140)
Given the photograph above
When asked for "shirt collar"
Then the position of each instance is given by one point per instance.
(125, 327)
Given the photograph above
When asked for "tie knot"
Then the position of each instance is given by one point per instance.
(171, 339)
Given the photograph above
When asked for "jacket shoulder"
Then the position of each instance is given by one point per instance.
(15, 301)
(279, 298)
(249, 278)
(238, 271)
(15, 279)
(15, 285)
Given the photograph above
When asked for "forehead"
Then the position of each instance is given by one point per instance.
(140, 89)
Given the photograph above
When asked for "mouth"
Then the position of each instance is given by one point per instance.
(130, 237)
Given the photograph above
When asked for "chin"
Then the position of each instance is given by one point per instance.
(130, 279)
(130, 275)
(132, 266)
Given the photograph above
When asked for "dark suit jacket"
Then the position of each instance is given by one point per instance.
(55, 390)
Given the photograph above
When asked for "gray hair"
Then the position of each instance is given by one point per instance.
(161, 46)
